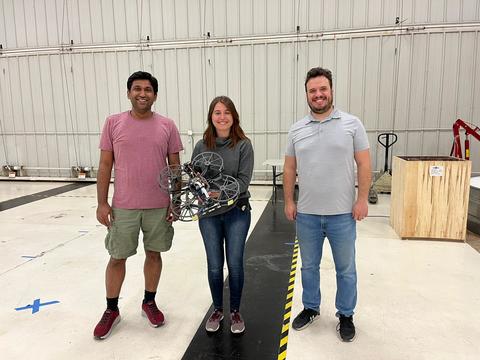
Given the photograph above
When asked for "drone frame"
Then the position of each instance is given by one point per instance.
(199, 187)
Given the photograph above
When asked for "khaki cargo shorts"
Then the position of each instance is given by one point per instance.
(122, 238)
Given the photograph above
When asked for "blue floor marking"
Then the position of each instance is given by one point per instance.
(36, 305)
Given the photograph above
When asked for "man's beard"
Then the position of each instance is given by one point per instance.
(321, 110)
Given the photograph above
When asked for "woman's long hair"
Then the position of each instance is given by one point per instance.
(236, 132)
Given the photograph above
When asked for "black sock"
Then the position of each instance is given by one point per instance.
(112, 304)
(149, 296)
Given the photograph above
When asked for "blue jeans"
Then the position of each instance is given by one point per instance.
(341, 233)
(230, 228)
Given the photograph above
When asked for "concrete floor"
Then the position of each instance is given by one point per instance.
(417, 299)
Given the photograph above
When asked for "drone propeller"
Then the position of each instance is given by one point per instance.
(227, 188)
(171, 178)
(208, 164)
(185, 206)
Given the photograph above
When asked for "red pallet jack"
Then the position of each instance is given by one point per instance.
(470, 129)
(383, 183)
(473, 203)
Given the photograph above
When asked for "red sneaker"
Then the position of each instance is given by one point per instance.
(106, 324)
(150, 311)
(237, 324)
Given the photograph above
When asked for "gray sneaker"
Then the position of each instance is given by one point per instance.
(213, 322)
(237, 324)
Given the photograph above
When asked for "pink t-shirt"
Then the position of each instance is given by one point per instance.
(140, 149)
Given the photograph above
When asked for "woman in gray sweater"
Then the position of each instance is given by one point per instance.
(228, 226)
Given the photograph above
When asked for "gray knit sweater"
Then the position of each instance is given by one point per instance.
(237, 162)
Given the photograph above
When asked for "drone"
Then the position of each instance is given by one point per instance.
(198, 187)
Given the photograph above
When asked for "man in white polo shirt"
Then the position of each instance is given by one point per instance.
(322, 148)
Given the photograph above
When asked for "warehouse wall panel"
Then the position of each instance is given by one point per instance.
(184, 119)
(419, 11)
(272, 86)
(450, 79)
(434, 76)
(3, 34)
(387, 83)
(373, 57)
(415, 77)
(466, 83)
(233, 73)
(39, 23)
(171, 83)
(342, 69)
(260, 83)
(470, 10)
(418, 81)
(375, 13)
(357, 80)
(247, 90)
(400, 95)
(199, 106)
(475, 106)
(287, 21)
(329, 15)
(359, 11)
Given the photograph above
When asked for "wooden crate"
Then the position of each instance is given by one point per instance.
(430, 197)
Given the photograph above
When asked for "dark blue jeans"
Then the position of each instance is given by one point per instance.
(231, 229)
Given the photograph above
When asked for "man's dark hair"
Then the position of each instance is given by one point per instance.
(142, 75)
(316, 72)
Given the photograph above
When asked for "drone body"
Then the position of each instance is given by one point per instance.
(198, 188)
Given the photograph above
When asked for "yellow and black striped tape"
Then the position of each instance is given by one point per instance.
(282, 350)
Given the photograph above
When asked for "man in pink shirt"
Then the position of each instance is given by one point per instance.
(138, 143)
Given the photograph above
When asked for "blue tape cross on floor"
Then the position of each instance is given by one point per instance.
(36, 305)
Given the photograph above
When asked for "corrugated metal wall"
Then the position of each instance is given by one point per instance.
(408, 66)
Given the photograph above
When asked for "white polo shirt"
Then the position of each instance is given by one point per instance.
(324, 151)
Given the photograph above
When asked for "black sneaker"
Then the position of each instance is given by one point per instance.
(304, 319)
(345, 328)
